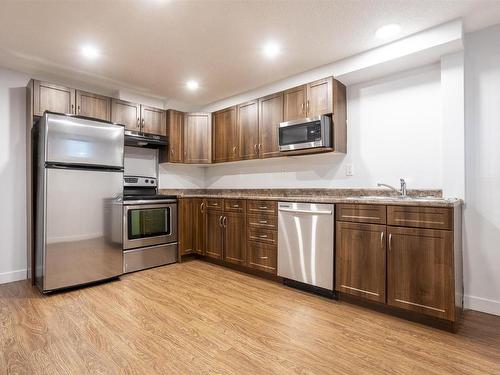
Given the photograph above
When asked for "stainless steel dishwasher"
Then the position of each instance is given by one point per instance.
(306, 245)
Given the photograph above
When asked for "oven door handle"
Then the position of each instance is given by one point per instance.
(149, 202)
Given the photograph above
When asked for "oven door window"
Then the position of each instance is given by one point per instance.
(153, 222)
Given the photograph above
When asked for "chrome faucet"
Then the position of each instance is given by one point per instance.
(402, 192)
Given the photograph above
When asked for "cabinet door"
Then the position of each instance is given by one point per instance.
(185, 226)
(294, 100)
(197, 138)
(270, 116)
(234, 237)
(200, 225)
(420, 271)
(214, 234)
(360, 260)
(126, 114)
(225, 135)
(248, 130)
(175, 121)
(153, 120)
(320, 97)
(54, 98)
(93, 105)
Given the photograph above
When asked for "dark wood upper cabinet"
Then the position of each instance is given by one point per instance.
(225, 135)
(214, 234)
(319, 97)
(93, 105)
(199, 225)
(248, 130)
(420, 271)
(54, 98)
(126, 113)
(234, 237)
(270, 116)
(153, 120)
(175, 152)
(294, 103)
(197, 138)
(360, 259)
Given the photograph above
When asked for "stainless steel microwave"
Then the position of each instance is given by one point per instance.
(312, 132)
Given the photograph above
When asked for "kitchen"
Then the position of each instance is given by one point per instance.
(235, 223)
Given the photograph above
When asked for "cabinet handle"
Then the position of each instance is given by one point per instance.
(224, 222)
(390, 241)
(202, 207)
(236, 205)
(263, 236)
(302, 107)
(256, 148)
(79, 109)
(264, 258)
(260, 147)
(263, 207)
(220, 221)
(263, 221)
(234, 149)
(381, 239)
(138, 122)
(143, 122)
(72, 108)
(307, 107)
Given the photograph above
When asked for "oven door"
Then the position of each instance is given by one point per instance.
(304, 133)
(149, 224)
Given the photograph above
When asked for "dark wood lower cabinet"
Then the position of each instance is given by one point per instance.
(360, 260)
(214, 234)
(420, 274)
(199, 225)
(262, 256)
(234, 237)
(185, 235)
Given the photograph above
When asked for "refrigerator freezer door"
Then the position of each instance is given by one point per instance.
(83, 233)
(72, 140)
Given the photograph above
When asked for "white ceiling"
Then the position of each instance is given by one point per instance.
(152, 47)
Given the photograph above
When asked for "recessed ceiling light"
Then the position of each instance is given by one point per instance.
(271, 49)
(387, 31)
(192, 85)
(90, 52)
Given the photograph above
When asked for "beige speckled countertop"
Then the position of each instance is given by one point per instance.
(426, 198)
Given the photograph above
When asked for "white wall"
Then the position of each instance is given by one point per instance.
(482, 150)
(394, 130)
(181, 177)
(12, 175)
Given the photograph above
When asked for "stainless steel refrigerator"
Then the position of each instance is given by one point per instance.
(78, 201)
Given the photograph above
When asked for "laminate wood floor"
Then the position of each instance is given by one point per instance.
(199, 318)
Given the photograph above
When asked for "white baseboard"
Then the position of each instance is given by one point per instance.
(482, 304)
(8, 277)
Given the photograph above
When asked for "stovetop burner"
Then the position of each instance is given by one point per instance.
(147, 197)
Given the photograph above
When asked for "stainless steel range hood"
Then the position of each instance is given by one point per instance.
(137, 139)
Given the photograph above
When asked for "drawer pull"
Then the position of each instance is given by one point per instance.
(263, 221)
(263, 207)
(214, 204)
(264, 258)
(263, 236)
(236, 205)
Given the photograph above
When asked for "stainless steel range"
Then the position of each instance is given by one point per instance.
(149, 225)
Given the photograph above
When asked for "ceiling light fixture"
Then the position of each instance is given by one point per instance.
(271, 50)
(192, 85)
(90, 52)
(388, 31)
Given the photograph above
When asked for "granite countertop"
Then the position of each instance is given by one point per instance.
(425, 198)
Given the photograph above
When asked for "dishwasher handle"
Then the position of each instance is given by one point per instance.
(322, 212)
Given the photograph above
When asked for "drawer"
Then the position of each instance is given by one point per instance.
(420, 217)
(262, 221)
(268, 207)
(214, 204)
(234, 205)
(268, 236)
(262, 256)
(361, 213)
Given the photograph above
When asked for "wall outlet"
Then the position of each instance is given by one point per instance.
(349, 170)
